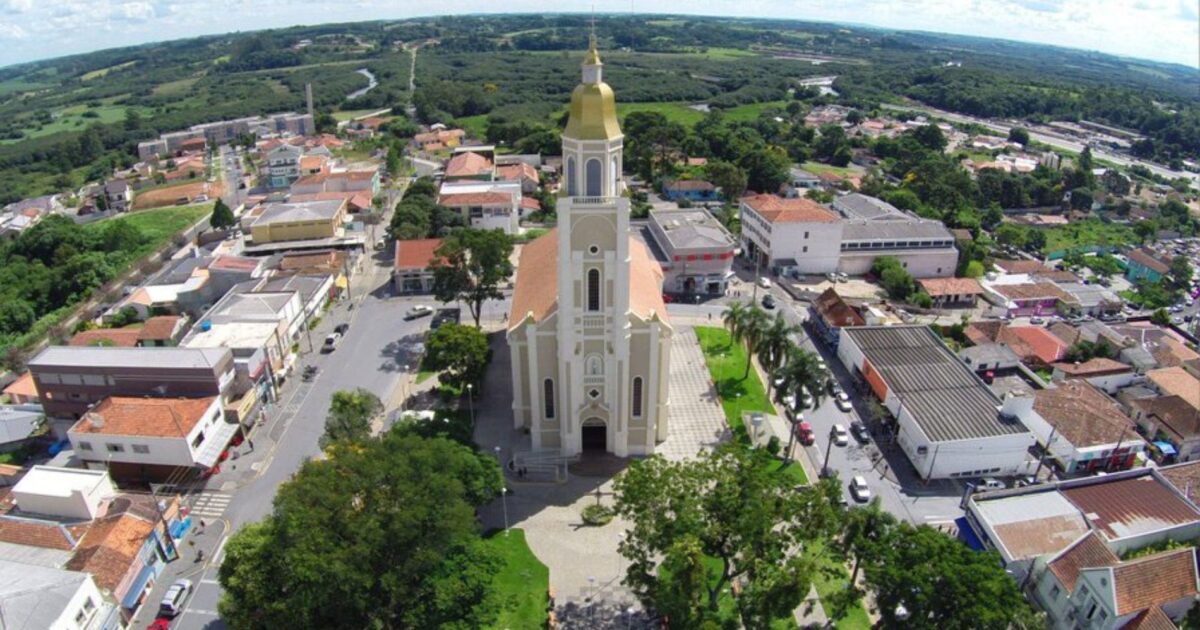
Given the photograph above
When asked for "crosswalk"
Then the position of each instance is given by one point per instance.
(210, 505)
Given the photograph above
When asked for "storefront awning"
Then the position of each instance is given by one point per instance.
(967, 535)
(1166, 448)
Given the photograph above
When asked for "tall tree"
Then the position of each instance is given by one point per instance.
(350, 415)
(773, 346)
(471, 265)
(730, 178)
(461, 353)
(222, 217)
(382, 535)
(753, 330)
(799, 374)
(700, 525)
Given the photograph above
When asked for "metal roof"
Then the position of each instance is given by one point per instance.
(945, 397)
(102, 357)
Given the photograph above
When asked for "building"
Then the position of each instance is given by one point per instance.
(1176, 381)
(71, 493)
(439, 139)
(252, 324)
(830, 313)
(799, 183)
(1091, 299)
(947, 420)
(225, 131)
(493, 208)
(366, 182)
(522, 172)
(589, 335)
(695, 190)
(44, 598)
(790, 235)
(1172, 426)
(1080, 428)
(313, 220)
(872, 228)
(1033, 344)
(470, 165)
(71, 379)
(118, 194)
(1143, 264)
(1030, 299)
(952, 292)
(19, 425)
(1105, 374)
(283, 165)
(152, 438)
(412, 272)
(696, 251)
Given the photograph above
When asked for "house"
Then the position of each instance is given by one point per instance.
(312, 220)
(22, 391)
(118, 194)
(1033, 344)
(1081, 428)
(412, 273)
(790, 235)
(1106, 374)
(283, 165)
(367, 182)
(36, 597)
(1144, 265)
(162, 330)
(830, 313)
(115, 337)
(1185, 478)
(19, 425)
(1090, 299)
(1172, 426)
(470, 165)
(152, 438)
(952, 292)
(696, 190)
(522, 172)
(1026, 299)
(948, 421)
(71, 379)
(488, 206)
(694, 249)
(799, 183)
(989, 357)
(439, 139)
(1176, 381)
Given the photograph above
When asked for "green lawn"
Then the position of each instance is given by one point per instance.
(675, 112)
(161, 224)
(1089, 233)
(475, 126)
(522, 583)
(72, 119)
(717, 52)
(751, 111)
(831, 577)
(818, 168)
(727, 363)
(96, 74)
(350, 114)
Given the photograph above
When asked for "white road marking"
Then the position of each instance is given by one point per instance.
(216, 582)
(220, 547)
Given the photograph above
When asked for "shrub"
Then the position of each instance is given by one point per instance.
(596, 515)
(773, 446)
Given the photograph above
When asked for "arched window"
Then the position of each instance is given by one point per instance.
(593, 178)
(572, 189)
(548, 403)
(593, 290)
(637, 397)
(614, 174)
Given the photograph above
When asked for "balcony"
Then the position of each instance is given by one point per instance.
(592, 201)
(593, 321)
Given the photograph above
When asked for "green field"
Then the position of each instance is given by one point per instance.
(1089, 233)
(475, 126)
(818, 168)
(19, 84)
(72, 119)
(675, 112)
(350, 114)
(750, 112)
(175, 88)
(161, 224)
(522, 584)
(96, 74)
(717, 52)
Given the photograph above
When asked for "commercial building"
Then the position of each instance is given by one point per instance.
(286, 222)
(947, 420)
(66, 492)
(1172, 425)
(830, 313)
(951, 292)
(412, 272)
(36, 598)
(71, 379)
(790, 235)
(225, 131)
(283, 165)
(695, 251)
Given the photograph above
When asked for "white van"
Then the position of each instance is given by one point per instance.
(172, 601)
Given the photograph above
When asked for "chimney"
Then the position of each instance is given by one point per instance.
(308, 98)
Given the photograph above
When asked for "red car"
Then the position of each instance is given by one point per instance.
(162, 623)
(804, 433)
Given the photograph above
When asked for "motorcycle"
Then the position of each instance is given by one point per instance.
(310, 372)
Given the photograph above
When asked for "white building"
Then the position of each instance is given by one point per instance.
(589, 335)
(795, 235)
(67, 492)
(485, 205)
(948, 421)
(283, 165)
(43, 598)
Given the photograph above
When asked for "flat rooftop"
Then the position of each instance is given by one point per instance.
(691, 229)
(138, 358)
(59, 482)
(946, 398)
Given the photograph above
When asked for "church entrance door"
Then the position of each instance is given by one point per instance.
(595, 436)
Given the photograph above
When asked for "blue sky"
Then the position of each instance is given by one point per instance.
(1162, 30)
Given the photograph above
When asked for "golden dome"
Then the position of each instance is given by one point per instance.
(593, 114)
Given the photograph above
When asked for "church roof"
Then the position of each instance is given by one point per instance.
(536, 292)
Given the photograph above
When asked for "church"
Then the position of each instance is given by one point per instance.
(589, 335)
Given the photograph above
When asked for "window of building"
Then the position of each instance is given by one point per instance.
(592, 173)
(571, 187)
(199, 440)
(89, 605)
(594, 393)
(141, 448)
(593, 290)
(1054, 591)
(85, 446)
(548, 394)
(637, 397)
(115, 448)
(805, 251)
(806, 235)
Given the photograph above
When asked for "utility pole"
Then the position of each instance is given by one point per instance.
(828, 448)
(1045, 451)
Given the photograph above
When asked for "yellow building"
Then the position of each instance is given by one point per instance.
(304, 221)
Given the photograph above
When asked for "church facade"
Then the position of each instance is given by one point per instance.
(589, 335)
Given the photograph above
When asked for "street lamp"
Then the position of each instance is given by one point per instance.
(504, 502)
(471, 403)
(404, 389)
(756, 421)
(629, 617)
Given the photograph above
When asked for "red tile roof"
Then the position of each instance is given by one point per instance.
(1131, 506)
(776, 209)
(835, 311)
(151, 417)
(1098, 366)
(1033, 291)
(1177, 381)
(950, 286)
(517, 171)
(110, 548)
(1021, 266)
(1084, 415)
(117, 337)
(468, 164)
(1045, 346)
(476, 199)
(417, 253)
(531, 204)
(235, 263)
(1185, 478)
(23, 387)
(1089, 551)
(1147, 259)
(1153, 618)
(1155, 580)
(36, 533)
(159, 328)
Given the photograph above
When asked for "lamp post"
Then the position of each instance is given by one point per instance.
(756, 421)
(504, 502)
(404, 389)
(471, 403)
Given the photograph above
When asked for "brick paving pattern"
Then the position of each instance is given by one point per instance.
(696, 420)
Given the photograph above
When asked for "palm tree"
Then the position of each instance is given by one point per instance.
(773, 347)
(800, 373)
(734, 319)
(753, 330)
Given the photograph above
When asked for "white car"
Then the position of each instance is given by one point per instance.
(764, 283)
(419, 310)
(807, 400)
(859, 489)
(843, 402)
(840, 436)
(172, 601)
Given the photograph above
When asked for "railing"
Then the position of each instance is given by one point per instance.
(591, 201)
(593, 321)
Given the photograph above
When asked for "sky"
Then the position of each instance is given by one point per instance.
(1161, 30)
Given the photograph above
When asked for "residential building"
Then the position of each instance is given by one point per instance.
(799, 183)
(115, 337)
(521, 172)
(1080, 428)
(44, 598)
(485, 205)
(1171, 425)
(872, 228)
(589, 336)
(255, 326)
(948, 421)
(1144, 264)
(283, 165)
(1185, 478)
(830, 313)
(314, 220)
(1106, 374)
(152, 438)
(952, 292)
(1091, 299)
(72, 379)
(19, 425)
(1030, 299)
(118, 194)
(1176, 381)
(989, 357)
(225, 131)
(73, 493)
(22, 391)
(412, 272)
(162, 331)
(790, 235)
(1033, 344)
(367, 182)
(696, 251)
(470, 165)
(695, 190)
(439, 139)
(313, 290)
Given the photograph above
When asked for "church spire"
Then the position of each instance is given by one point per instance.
(593, 54)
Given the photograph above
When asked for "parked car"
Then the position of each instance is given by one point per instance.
(860, 431)
(331, 342)
(804, 433)
(840, 437)
(445, 316)
(843, 401)
(859, 489)
(989, 483)
(764, 283)
(831, 276)
(1036, 321)
(835, 387)
(841, 277)
(160, 623)
(172, 601)
(341, 328)
(806, 399)
(768, 302)
(417, 311)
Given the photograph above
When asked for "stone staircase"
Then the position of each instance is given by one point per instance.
(540, 465)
